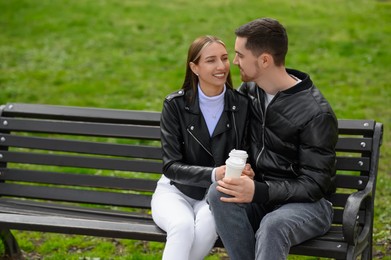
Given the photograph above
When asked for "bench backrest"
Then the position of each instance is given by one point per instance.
(79, 155)
(113, 157)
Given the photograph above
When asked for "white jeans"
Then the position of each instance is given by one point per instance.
(189, 224)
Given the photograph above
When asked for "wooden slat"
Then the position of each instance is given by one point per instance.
(82, 162)
(80, 128)
(92, 227)
(30, 207)
(334, 234)
(351, 182)
(77, 180)
(356, 127)
(321, 248)
(338, 216)
(85, 114)
(350, 144)
(76, 195)
(353, 163)
(53, 144)
(339, 199)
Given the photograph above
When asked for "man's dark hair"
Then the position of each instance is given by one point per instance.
(265, 35)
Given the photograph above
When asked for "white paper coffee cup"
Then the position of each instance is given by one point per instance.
(234, 167)
(239, 154)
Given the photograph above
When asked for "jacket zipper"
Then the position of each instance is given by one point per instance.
(263, 127)
(236, 131)
(198, 141)
(263, 123)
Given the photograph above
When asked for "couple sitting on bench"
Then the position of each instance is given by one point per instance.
(289, 130)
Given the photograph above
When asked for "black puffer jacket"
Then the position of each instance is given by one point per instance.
(292, 143)
(189, 153)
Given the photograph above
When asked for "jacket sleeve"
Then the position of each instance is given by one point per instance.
(174, 165)
(316, 163)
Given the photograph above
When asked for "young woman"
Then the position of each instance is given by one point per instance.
(200, 125)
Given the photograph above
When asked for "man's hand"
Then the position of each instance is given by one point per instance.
(241, 189)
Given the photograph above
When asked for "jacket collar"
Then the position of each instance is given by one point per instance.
(231, 102)
(305, 83)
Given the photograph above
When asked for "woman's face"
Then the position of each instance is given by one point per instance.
(213, 67)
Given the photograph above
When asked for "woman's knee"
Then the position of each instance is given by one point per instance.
(181, 225)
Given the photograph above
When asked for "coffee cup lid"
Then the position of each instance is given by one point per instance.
(238, 153)
(235, 162)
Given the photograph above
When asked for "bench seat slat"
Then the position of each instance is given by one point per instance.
(81, 128)
(334, 234)
(76, 195)
(29, 207)
(126, 150)
(321, 248)
(82, 162)
(80, 180)
(94, 227)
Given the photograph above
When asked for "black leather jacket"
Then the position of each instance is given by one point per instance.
(189, 153)
(292, 146)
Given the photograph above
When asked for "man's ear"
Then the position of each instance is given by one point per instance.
(265, 60)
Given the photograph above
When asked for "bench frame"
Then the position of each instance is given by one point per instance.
(91, 171)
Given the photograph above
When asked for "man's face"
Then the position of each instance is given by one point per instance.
(246, 61)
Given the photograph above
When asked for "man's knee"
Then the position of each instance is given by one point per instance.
(213, 195)
(273, 223)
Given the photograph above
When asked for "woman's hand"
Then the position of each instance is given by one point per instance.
(248, 171)
(220, 172)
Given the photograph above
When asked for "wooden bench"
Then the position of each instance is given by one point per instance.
(92, 171)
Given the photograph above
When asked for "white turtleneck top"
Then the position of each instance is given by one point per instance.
(211, 108)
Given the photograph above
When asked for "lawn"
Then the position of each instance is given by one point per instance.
(131, 54)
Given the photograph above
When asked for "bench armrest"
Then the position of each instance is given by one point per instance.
(350, 221)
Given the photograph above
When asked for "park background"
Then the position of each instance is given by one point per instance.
(129, 54)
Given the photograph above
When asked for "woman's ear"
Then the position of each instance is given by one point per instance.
(193, 67)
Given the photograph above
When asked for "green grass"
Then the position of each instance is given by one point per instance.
(131, 54)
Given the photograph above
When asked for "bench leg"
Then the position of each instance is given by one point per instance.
(367, 253)
(11, 246)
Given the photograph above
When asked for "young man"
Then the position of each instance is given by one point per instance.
(292, 137)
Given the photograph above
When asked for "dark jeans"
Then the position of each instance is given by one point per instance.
(248, 231)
